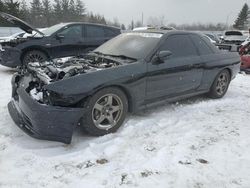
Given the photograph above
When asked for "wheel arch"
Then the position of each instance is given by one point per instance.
(31, 48)
(122, 88)
(230, 72)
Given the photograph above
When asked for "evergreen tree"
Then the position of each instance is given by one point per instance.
(2, 7)
(12, 7)
(36, 13)
(103, 20)
(47, 12)
(65, 10)
(80, 10)
(24, 11)
(41, 13)
(240, 22)
(57, 11)
(131, 26)
(72, 8)
(123, 27)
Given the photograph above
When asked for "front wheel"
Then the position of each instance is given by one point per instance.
(34, 56)
(105, 112)
(220, 85)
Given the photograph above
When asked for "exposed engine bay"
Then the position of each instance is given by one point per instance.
(52, 71)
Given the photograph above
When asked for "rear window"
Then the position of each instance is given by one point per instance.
(238, 33)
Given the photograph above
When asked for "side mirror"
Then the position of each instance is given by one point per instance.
(161, 56)
(164, 55)
(59, 36)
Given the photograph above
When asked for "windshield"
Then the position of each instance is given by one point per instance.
(49, 31)
(229, 33)
(133, 45)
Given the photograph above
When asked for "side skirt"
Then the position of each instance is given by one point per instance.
(170, 99)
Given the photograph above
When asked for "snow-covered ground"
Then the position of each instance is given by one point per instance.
(196, 143)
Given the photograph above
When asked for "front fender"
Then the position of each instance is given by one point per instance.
(132, 77)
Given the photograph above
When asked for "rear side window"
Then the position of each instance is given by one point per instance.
(110, 32)
(202, 46)
(93, 31)
(180, 46)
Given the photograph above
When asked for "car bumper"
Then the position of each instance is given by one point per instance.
(10, 57)
(43, 121)
(246, 70)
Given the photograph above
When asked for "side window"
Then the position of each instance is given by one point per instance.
(94, 31)
(110, 32)
(202, 46)
(180, 46)
(74, 31)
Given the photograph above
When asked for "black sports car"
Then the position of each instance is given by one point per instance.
(126, 74)
(61, 40)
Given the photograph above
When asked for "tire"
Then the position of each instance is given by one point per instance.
(34, 56)
(220, 85)
(105, 112)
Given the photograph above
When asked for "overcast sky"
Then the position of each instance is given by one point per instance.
(177, 11)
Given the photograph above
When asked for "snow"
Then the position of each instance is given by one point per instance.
(36, 94)
(196, 143)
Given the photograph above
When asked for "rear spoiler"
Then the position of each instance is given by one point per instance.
(228, 47)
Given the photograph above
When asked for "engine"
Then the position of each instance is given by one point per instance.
(53, 71)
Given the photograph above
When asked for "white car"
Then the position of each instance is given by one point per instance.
(233, 37)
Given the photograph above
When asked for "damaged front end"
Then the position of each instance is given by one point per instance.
(10, 54)
(42, 112)
(47, 73)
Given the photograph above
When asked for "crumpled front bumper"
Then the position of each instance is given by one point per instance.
(43, 121)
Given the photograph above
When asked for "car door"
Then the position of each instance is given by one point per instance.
(67, 41)
(180, 73)
(208, 54)
(94, 36)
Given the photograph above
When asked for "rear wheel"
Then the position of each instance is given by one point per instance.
(34, 56)
(106, 111)
(220, 85)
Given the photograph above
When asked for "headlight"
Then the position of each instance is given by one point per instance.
(57, 99)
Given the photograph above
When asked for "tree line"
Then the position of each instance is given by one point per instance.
(44, 13)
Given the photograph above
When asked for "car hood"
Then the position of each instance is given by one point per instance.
(19, 23)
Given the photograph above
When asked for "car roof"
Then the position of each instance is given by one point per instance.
(164, 32)
(88, 23)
